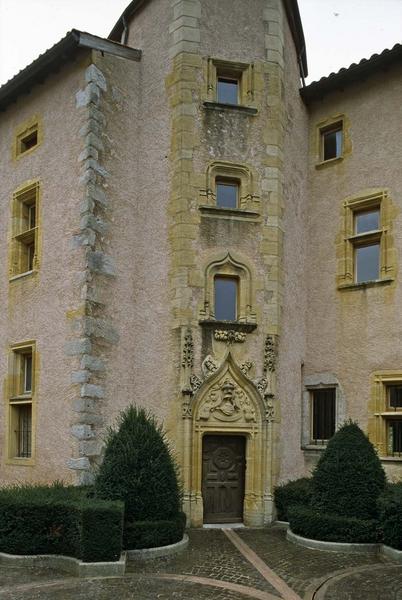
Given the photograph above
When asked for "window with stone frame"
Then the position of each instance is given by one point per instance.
(21, 384)
(228, 293)
(385, 422)
(331, 141)
(323, 409)
(323, 414)
(365, 248)
(230, 187)
(28, 137)
(230, 83)
(24, 226)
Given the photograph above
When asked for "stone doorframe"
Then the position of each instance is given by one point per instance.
(228, 403)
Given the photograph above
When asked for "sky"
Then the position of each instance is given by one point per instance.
(337, 32)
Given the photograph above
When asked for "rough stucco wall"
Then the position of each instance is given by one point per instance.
(293, 331)
(141, 367)
(355, 332)
(34, 307)
(233, 30)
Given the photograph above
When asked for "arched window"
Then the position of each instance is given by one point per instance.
(228, 292)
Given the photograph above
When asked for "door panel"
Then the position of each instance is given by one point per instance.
(223, 467)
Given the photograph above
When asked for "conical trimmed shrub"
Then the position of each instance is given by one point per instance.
(139, 468)
(348, 478)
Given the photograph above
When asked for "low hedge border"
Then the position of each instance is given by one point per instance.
(390, 509)
(152, 534)
(60, 520)
(311, 524)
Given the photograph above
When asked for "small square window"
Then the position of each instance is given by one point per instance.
(227, 193)
(27, 140)
(323, 413)
(227, 90)
(367, 263)
(332, 142)
(226, 291)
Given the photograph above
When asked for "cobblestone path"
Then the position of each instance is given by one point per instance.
(221, 565)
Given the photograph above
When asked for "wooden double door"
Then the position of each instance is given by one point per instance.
(223, 471)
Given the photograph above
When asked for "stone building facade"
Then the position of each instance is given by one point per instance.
(184, 228)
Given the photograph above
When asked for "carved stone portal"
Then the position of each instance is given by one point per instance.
(226, 401)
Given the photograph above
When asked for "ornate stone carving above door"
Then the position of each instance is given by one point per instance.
(226, 401)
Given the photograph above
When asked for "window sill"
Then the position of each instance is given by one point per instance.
(391, 458)
(22, 462)
(218, 212)
(365, 284)
(330, 161)
(248, 110)
(314, 447)
(21, 275)
(228, 325)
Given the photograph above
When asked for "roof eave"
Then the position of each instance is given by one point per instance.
(51, 60)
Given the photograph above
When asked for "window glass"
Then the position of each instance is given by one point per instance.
(395, 437)
(395, 396)
(226, 194)
(332, 144)
(23, 433)
(226, 298)
(323, 407)
(367, 221)
(367, 263)
(27, 372)
(32, 216)
(227, 90)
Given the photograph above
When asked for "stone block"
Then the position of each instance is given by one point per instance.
(77, 347)
(95, 141)
(92, 363)
(100, 328)
(90, 390)
(95, 113)
(78, 464)
(86, 238)
(188, 8)
(88, 152)
(94, 223)
(98, 262)
(82, 376)
(93, 164)
(90, 448)
(85, 405)
(97, 194)
(95, 75)
(82, 432)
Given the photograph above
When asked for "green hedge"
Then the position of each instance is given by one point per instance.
(59, 520)
(390, 508)
(297, 492)
(312, 524)
(151, 534)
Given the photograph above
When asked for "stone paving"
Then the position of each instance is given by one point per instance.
(213, 568)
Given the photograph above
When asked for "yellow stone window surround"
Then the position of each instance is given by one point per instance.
(24, 242)
(243, 73)
(21, 403)
(27, 137)
(348, 240)
(223, 170)
(230, 267)
(381, 414)
(335, 122)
